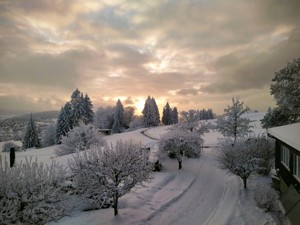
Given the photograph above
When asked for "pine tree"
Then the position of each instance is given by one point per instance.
(31, 138)
(174, 115)
(64, 122)
(77, 107)
(118, 125)
(150, 113)
(147, 113)
(155, 111)
(167, 115)
(88, 113)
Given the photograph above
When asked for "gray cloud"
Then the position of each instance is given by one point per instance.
(204, 49)
(236, 73)
(191, 91)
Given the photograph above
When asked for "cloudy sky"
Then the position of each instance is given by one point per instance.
(193, 53)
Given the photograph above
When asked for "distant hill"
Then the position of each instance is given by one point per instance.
(38, 116)
(41, 115)
(11, 128)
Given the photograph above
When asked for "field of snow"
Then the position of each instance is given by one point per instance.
(200, 193)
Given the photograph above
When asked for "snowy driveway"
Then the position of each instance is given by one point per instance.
(209, 200)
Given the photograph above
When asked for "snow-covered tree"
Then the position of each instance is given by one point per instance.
(137, 122)
(104, 117)
(88, 113)
(31, 138)
(232, 123)
(180, 142)
(237, 158)
(128, 115)
(31, 193)
(119, 123)
(64, 122)
(88, 180)
(189, 119)
(275, 117)
(150, 113)
(285, 89)
(206, 114)
(167, 115)
(285, 86)
(8, 145)
(80, 138)
(76, 102)
(154, 107)
(174, 115)
(263, 149)
(49, 135)
(110, 173)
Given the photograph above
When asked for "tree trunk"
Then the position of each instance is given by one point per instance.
(245, 182)
(179, 165)
(116, 205)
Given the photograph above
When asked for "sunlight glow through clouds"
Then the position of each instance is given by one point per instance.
(194, 54)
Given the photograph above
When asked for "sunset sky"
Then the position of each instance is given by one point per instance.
(194, 53)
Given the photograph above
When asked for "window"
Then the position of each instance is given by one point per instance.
(285, 156)
(296, 169)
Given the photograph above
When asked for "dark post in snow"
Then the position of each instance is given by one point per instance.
(12, 156)
(179, 158)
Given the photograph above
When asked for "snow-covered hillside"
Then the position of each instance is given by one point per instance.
(200, 193)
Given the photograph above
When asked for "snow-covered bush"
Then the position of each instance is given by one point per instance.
(265, 197)
(30, 193)
(49, 135)
(8, 145)
(263, 148)
(109, 173)
(80, 138)
(179, 142)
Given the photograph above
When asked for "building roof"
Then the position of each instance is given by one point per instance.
(289, 134)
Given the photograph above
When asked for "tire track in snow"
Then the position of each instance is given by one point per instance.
(225, 206)
(199, 204)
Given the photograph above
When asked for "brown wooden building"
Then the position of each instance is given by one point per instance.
(287, 163)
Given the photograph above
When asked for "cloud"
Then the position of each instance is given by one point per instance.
(236, 72)
(129, 101)
(194, 49)
(191, 91)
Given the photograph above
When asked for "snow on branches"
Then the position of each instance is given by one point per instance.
(31, 193)
(245, 156)
(285, 89)
(109, 173)
(80, 138)
(181, 142)
(232, 124)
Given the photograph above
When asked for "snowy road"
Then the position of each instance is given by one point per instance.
(204, 202)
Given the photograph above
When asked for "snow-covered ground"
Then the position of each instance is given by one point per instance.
(200, 193)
